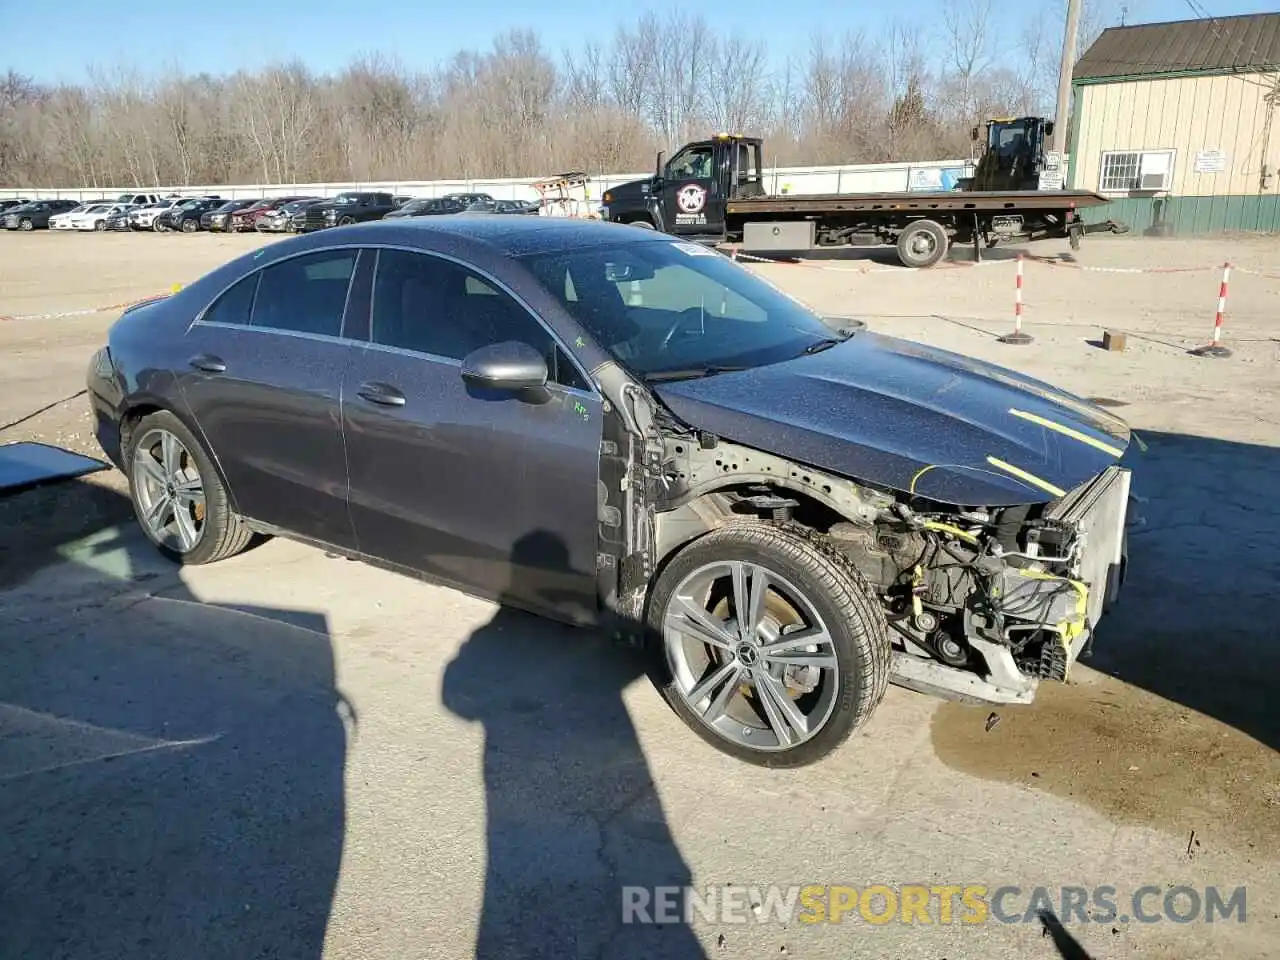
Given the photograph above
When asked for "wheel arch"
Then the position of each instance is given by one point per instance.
(136, 409)
(712, 507)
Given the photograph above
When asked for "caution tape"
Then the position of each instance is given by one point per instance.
(964, 264)
(89, 311)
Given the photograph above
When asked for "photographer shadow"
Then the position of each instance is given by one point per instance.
(572, 814)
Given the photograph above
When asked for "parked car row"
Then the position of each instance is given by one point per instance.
(293, 214)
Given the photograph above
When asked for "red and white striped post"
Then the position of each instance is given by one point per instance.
(1017, 336)
(1214, 347)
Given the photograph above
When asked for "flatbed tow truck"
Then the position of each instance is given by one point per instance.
(713, 191)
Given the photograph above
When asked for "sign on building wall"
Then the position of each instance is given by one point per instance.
(1209, 161)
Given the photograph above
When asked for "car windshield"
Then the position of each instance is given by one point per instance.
(678, 308)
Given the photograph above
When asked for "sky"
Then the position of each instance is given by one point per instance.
(59, 40)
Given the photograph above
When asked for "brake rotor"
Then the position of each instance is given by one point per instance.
(779, 616)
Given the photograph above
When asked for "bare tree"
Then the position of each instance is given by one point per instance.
(514, 110)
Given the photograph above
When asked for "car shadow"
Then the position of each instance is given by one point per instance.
(573, 817)
(1195, 622)
(171, 771)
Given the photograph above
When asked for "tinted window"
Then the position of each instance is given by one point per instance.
(234, 304)
(431, 305)
(305, 294)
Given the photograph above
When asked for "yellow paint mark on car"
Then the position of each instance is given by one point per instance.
(1068, 432)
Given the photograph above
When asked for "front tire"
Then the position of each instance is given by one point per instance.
(177, 496)
(190, 226)
(26, 224)
(788, 679)
(100, 226)
(922, 244)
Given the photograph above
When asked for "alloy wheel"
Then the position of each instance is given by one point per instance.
(750, 655)
(169, 491)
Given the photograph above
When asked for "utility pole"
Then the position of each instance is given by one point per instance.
(1064, 76)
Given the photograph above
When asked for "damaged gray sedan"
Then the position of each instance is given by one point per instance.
(620, 430)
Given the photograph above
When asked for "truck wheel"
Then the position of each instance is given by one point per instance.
(922, 244)
(644, 224)
(768, 643)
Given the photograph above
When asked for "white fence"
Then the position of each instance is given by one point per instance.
(854, 178)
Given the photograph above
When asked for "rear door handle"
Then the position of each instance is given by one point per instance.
(381, 393)
(208, 363)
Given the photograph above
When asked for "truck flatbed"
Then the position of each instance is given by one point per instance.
(952, 201)
(714, 191)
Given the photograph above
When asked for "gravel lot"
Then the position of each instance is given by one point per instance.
(290, 755)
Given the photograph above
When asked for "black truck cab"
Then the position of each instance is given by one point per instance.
(687, 194)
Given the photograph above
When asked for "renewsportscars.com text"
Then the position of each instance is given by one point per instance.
(932, 904)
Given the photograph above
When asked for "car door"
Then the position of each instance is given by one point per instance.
(491, 491)
(264, 383)
(690, 195)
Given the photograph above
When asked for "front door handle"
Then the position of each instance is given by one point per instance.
(381, 393)
(209, 363)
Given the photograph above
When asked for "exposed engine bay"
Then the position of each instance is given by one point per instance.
(983, 602)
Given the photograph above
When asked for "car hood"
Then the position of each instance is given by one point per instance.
(631, 190)
(912, 418)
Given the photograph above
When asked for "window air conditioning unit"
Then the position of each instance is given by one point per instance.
(1156, 171)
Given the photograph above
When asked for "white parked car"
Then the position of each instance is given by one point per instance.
(62, 221)
(95, 217)
(144, 218)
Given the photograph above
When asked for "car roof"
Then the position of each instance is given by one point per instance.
(508, 236)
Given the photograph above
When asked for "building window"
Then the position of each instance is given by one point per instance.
(1136, 170)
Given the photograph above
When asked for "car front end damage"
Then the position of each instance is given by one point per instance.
(983, 602)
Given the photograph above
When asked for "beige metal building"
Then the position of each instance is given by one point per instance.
(1175, 122)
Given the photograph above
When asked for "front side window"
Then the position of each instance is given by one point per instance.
(438, 307)
(306, 294)
(694, 163)
(663, 307)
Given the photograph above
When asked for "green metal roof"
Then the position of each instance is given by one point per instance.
(1244, 44)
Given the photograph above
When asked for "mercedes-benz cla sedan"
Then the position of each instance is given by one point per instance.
(623, 430)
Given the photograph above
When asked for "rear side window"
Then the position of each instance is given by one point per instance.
(235, 304)
(305, 294)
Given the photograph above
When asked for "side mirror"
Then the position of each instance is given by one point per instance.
(511, 366)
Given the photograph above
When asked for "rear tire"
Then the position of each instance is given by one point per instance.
(922, 244)
(839, 678)
(220, 533)
(643, 224)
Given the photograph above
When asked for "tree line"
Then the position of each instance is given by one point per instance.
(518, 110)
